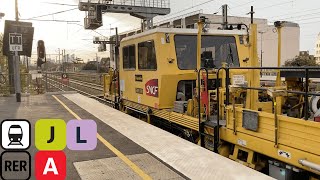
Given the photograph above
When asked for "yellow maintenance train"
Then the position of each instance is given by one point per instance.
(204, 85)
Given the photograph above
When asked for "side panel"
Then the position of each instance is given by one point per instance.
(297, 139)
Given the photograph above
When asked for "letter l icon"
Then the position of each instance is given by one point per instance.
(79, 140)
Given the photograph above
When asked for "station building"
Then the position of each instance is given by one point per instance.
(317, 49)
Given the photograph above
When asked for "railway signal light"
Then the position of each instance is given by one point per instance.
(41, 50)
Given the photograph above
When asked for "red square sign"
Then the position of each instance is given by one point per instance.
(50, 165)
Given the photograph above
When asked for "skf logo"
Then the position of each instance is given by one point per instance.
(152, 88)
(50, 165)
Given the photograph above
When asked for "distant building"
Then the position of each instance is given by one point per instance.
(317, 50)
(306, 54)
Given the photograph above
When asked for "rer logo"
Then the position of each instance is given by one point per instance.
(15, 165)
(54, 134)
(50, 165)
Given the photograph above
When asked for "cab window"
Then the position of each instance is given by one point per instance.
(129, 57)
(147, 56)
(215, 50)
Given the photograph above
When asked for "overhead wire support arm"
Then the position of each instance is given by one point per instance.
(145, 10)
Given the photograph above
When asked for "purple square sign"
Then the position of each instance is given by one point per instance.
(81, 135)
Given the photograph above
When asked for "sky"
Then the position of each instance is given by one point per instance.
(76, 40)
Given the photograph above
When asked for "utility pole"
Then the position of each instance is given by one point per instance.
(97, 62)
(261, 49)
(59, 58)
(16, 10)
(63, 59)
(225, 16)
(16, 64)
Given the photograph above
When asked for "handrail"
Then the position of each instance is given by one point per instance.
(201, 128)
(217, 136)
(306, 86)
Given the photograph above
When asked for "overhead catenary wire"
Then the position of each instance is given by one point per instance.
(48, 20)
(91, 30)
(60, 4)
(59, 12)
(296, 12)
(187, 9)
(274, 5)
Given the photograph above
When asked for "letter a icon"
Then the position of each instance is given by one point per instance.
(50, 165)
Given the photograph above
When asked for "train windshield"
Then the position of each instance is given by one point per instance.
(214, 51)
(15, 131)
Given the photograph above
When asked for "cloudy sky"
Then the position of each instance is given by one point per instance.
(75, 40)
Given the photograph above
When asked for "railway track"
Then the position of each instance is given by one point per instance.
(87, 84)
(83, 87)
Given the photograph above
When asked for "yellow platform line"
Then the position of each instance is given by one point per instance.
(123, 157)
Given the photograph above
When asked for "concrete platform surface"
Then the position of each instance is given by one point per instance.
(105, 162)
(187, 158)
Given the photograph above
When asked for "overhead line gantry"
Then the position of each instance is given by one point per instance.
(146, 10)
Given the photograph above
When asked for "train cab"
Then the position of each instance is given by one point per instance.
(158, 67)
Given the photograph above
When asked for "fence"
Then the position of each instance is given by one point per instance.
(7, 84)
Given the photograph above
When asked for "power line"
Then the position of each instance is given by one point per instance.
(91, 30)
(301, 16)
(297, 12)
(279, 4)
(241, 5)
(265, 7)
(47, 20)
(60, 4)
(59, 12)
(187, 9)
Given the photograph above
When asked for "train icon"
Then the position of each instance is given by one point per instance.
(15, 135)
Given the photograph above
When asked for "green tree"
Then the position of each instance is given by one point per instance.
(306, 60)
(3, 59)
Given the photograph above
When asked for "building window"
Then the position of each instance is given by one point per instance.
(129, 57)
(147, 56)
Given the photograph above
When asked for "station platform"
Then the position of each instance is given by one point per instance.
(127, 148)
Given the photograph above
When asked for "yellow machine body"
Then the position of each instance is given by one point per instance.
(154, 92)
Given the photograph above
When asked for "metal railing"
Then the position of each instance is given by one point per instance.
(306, 77)
(307, 71)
